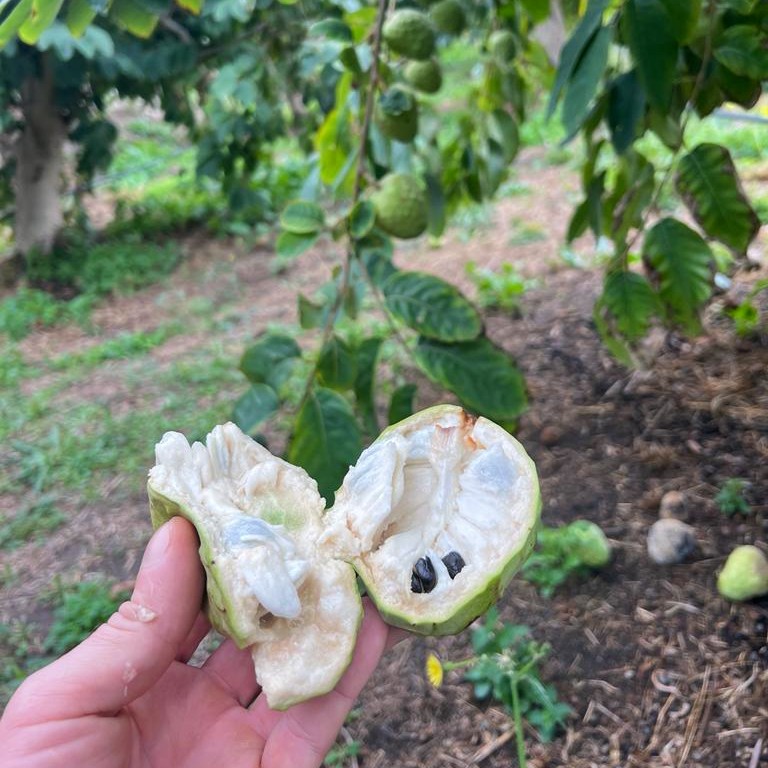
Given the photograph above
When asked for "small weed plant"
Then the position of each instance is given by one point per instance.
(731, 498)
(501, 289)
(339, 754)
(563, 552)
(746, 316)
(81, 609)
(28, 523)
(29, 308)
(505, 667)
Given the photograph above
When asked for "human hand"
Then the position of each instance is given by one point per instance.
(127, 697)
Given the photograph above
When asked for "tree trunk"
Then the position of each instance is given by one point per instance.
(39, 163)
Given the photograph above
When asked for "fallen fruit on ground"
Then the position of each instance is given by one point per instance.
(435, 517)
(401, 205)
(744, 575)
(590, 544)
(410, 33)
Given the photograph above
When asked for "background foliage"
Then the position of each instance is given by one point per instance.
(241, 75)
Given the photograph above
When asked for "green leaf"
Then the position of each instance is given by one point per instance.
(42, 16)
(632, 302)
(503, 129)
(744, 51)
(579, 222)
(431, 306)
(255, 407)
(538, 10)
(136, 19)
(626, 107)
(336, 367)
(193, 6)
(302, 218)
(574, 48)
(654, 49)
(682, 260)
(375, 254)
(614, 343)
(333, 29)
(435, 205)
(326, 440)
(683, 18)
(361, 219)
(311, 314)
(13, 21)
(480, 374)
(289, 245)
(80, 13)
(366, 355)
(270, 359)
(584, 80)
(401, 403)
(708, 182)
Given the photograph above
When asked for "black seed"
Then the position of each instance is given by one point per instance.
(454, 562)
(423, 578)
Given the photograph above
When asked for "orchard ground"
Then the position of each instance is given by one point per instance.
(657, 668)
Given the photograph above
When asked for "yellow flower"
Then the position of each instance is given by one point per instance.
(434, 670)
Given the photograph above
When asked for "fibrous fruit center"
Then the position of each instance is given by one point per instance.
(430, 513)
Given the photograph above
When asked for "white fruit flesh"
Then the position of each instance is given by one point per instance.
(438, 483)
(258, 519)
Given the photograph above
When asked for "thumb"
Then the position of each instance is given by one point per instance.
(123, 658)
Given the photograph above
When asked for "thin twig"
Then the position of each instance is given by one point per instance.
(359, 172)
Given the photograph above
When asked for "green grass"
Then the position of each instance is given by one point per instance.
(29, 308)
(81, 609)
(13, 367)
(121, 347)
(32, 522)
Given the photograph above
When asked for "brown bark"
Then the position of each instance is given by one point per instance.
(39, 164)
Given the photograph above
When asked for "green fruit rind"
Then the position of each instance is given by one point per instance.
(425, 76)
(220, 609)
(268, 587)
(401, 206)
(590, 544)
(452, 617)
(448, 17)
(744, 575)
(410, 33)
(503, 45)
(397, 115)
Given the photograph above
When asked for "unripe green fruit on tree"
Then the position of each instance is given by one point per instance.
(410, 33)
(425, 76)
(502, 45)
(397, 114)
(448, 17)
(401, 205)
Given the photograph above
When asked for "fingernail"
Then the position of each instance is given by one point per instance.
(158, 546)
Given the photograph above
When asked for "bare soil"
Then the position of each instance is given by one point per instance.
(658, 669)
